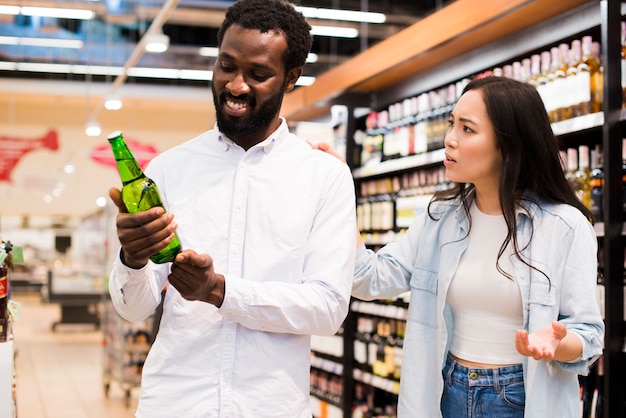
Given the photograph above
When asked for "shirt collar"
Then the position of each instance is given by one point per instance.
(266, 145)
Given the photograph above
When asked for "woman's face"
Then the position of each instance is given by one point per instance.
(472, 154)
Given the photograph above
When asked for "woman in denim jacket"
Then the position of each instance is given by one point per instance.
(501, 268)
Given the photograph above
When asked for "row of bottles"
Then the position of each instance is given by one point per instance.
(391, 203)
(569, 78)
(372, 403)
(584, 169)
(413, 126)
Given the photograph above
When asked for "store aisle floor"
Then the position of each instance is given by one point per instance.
(59, 373)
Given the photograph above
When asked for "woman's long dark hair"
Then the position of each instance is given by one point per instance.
(530, 154)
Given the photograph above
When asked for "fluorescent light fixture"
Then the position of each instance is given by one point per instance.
(153, 72)
(337, 32)
(209, 51)
(305, 80)
(212, 51)
(45, 42)
(81, 14)
(93, 128)
(9, 10)
(100, 70)
(157, 43)
(113, 103)
(346, 15)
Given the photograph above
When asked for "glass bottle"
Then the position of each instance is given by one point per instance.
(597, 184)
(5, 262)
(139, 192)
(583, 175)
(578, 75)
(623, 63)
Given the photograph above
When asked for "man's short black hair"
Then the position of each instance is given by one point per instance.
(272, 15)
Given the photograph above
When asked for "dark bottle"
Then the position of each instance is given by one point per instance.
(5, 263)
(139, 192)
(596, 182)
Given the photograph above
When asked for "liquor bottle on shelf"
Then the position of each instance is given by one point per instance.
(139, 192)
(563, 90)
(556, 80)
(583, 175)
(5, 266)
(573, 81)
(589, 86)
(543, 85)
(596, 183)
(623, 63)
(597, 79)
(624, 178)
(571, 167)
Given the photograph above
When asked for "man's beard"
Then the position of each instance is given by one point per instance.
(259, 118)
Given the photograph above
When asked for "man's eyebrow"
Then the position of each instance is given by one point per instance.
(226, 55)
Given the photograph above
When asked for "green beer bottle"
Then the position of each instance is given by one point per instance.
(139, 192)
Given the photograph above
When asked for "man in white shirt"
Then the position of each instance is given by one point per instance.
(267, 228)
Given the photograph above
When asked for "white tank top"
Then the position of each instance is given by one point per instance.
(486, 305)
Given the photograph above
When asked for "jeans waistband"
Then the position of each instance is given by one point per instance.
(484, 377)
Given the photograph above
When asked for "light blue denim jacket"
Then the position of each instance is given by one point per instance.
(424, 260)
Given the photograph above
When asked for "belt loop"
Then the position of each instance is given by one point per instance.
(496, 381)
(450, 370)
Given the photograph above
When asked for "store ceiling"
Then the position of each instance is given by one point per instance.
(111, 37)
(110, 40)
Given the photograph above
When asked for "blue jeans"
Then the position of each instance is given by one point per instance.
(482, 393)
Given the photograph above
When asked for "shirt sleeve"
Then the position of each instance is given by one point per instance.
(135, 293)
(387, 273)
(579, 309)
(319, 303)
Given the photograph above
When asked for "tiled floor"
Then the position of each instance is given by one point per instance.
(59, 373)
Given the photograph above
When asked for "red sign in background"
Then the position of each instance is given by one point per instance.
(12, 149)
(102, 154)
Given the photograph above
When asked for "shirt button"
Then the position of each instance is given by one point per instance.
(229, 338)
(473, 376)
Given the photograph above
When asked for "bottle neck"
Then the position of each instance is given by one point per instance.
(127, 165)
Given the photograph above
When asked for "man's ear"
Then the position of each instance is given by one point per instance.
(292, 77)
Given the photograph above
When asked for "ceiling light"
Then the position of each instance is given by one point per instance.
(81, 14)
(157, 42)
(113, 103)
(209, 51)
(347, 15)
(338, 32)
(101, 70)
(212, 51)
(46, 42)
(93, 128)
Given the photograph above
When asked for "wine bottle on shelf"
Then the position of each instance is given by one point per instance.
(556, 79)
(139, 192)
(623, 63)
(542, 82)
(596, 183)
(571, 167)
(5, 264)
(589, 74)
(624, 177)
(578, 79)
(563, 90)
(597, 79)
(583, 175)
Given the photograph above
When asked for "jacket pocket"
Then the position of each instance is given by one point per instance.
(423, 297)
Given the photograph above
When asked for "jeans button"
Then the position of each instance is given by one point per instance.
(473, 375)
